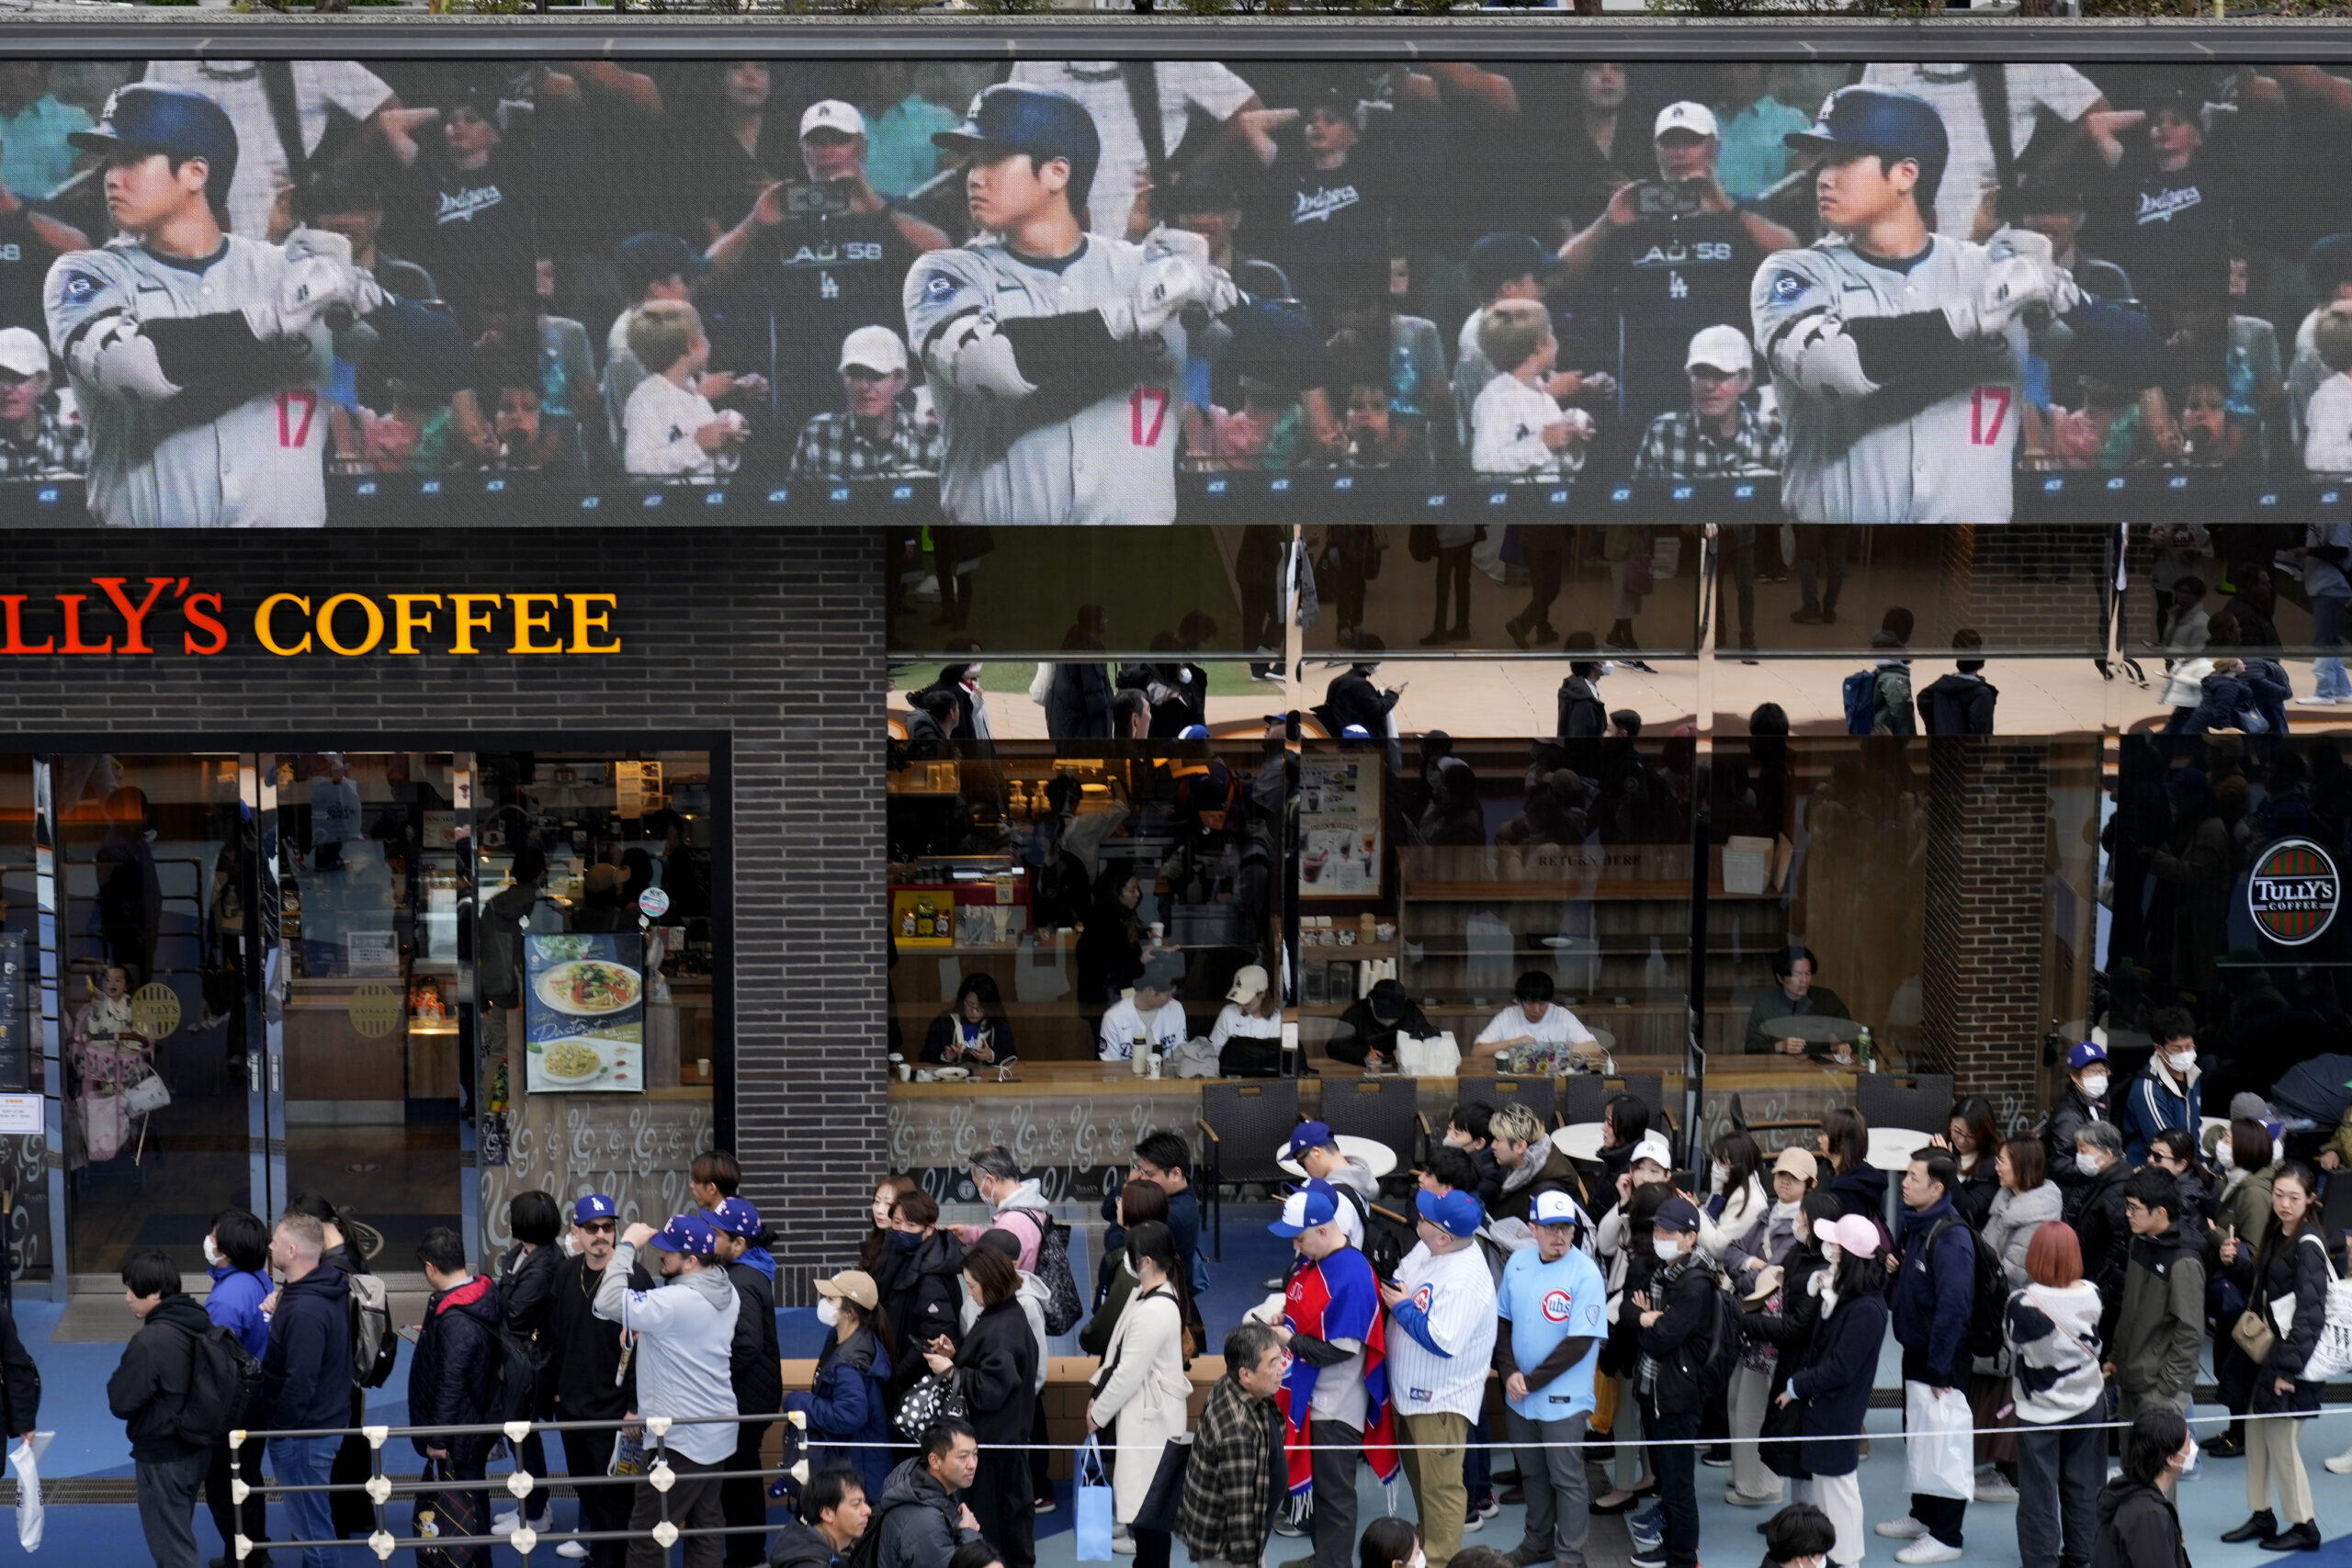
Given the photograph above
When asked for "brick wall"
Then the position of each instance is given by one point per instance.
(1988, 806)
(2027, 586)
(766, 644)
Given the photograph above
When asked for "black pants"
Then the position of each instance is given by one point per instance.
(744, 1500)
(1678, 1478)
(1452, 567)
(534, 1457)
(1545, 562)
(1041, 1458)
(1151, 1548)
(601, 1507)
(215, 1494)
(1738, 546)
(1006, 1506)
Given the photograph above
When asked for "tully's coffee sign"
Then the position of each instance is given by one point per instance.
(176, 615)
(2293, 892)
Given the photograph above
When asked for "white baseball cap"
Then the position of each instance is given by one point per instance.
(832, 114)
(873, 348)
(1652, 1148)
(1720, 348)
(1696, 119)
(1250, 981)
(22, 352)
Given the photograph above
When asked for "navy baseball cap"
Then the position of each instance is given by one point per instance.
(689, 1234)
(1456, 1213)
(1309, 1136)
(1317, 1203)
(1497, 258)
(1676, 1214)
(1036, 120)
(650, 257)
(143, 118)
(2084, 1054)
(1878, 119)
(735, 1217)
(594, 1206)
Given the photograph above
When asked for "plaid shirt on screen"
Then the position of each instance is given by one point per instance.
(1676, 446)
(58, 446)
(833, 448)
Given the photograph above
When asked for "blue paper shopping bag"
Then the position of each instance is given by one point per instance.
(1094, 1508)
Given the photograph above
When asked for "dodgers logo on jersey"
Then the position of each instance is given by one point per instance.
(78, 287)
(940, 287)
(1556, 1306)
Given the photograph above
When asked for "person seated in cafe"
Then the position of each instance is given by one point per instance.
(1151, 1015)
(973, 1032)
(1248, 1031)
(1534, 1019)
(1797, 997)
(1371, 1027)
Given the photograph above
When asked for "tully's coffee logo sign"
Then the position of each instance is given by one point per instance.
(174, 615)
(2294, 892)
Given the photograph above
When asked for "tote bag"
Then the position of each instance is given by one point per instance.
(2331, 1357)
(1939, 1453)
(1782, 1447)
(1094, 1505)
(1159, 1504)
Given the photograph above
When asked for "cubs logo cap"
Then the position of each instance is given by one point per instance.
(1552, 1207)
(1696, 119)
(1456, 1213)
(1309, 1136)
(689, 1234)
(832, 115)
(877, 349)
(593, 1206)
(1314, 1204)
(2085, 1053)
(736, 1217)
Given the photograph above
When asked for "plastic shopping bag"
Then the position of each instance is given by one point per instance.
(1940, 1455)
(24, 1459)
(1094, 1510)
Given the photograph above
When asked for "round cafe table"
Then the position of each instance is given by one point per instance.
(1814, 1028)
(1892, 1147)
(1579, 1140)
(1379, 1156)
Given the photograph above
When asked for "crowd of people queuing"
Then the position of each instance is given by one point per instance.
(681, 270)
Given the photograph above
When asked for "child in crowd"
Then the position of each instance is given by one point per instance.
(1516, 428)
(2327, 419)
(669, 431)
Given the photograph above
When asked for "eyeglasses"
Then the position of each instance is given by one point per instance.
(601, 1227)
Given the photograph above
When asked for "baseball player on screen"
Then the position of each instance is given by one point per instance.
(200, 358)
(1899, 355)
(1056, 357)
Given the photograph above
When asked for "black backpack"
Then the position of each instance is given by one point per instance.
(1385, 1241)
(1064, 1306)
(514, 1377)
(1992, 1288)
(1722, 1345)
(375, 1348)
(865, 1552)
(223, 1387)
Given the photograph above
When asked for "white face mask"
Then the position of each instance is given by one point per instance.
(1721, 1175)
(2224, 1157)
(972, 672)
(828, 1311)
(212, 1254)
(2181, 1061)
(571, 1245)
(2191, 1462)
(1668, 1250)
(2095, 1085)
(1420, 1559)
(2090, 1161)
(1831, 1252)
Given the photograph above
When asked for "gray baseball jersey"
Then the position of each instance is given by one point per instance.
(256, 465)
(1931, 451)
(1046, 458)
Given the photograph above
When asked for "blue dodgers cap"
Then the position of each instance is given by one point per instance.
(1676, 1214)
(1878, 119)
(1036, 120)
(1314, 1204)
(1457, 1213)
(143, 118)
(736, 1217)
(2084, 1054)
(1309, 1136)
(689, 1234)
(593, 1206)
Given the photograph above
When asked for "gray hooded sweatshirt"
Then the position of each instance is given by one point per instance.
(686, 1331)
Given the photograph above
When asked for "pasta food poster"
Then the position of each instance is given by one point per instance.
(585, 1009)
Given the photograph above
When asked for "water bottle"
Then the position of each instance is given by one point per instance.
(1869, 1064)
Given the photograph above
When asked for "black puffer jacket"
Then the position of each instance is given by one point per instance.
(456, 1356)
(151, 1385)
(1685, 1294)
(2138, 1528)
(923, 1293)
(996, 1368)
(526, 1287)
(752, 1362)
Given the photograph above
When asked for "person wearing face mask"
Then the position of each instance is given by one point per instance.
(921, 1284)
(2168, 1093)
(1628, 1260)
(2083, 1099)
(1677, 1314)
(1470, 1128)
(2138, 1525)
(1781, 1310)
(1799, 1536)
(2051, 1326)
(876, 1247)
(1738, 1213)
(2098, 1218)
(236, 1251)
(2246, 1156)
(848, 1401)
(1391, 1543)
(2292, 1264)
(1837, 1367)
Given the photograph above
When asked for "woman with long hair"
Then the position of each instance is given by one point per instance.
(2140, 1528)
(1390, 1542)
(1975, 1143)
(1141, 1390)
(1835, 1380)
(1734, 1210)
(2051, 1326)
(2291, 1265)
(874, 1253)
(1109, 950)
(1140, 1202)
(1846, 1141)
(995, 1369)
(973, 1032)
(1778, 1323)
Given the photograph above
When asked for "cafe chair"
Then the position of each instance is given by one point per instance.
(1243, 1126)
(1924, 1106)
(1535, 1092)
(1383, 1110)
(1773, 1136)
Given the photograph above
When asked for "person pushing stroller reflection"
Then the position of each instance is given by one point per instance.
(109, 1053)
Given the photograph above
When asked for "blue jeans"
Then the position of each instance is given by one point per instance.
(2327, 631)
(305, 1462)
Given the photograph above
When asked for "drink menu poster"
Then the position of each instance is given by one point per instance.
(1339, 849)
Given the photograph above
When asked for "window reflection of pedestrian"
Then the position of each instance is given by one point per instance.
(130, 896)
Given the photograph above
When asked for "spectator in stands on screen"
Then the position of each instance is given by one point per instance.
(510, 319)
(426, 366)
(1203, 111)
(1674, 253)
(1364, 324)
(1375, 438)
(2168, 203)
(2121, 418)
(2035, 94)
(659, 267)
(1328, 206)
(2328, 270)
(35, 157)
(1279, 426)
(886, 429)
(1719, 435)
(1208, 202)
(463, 202)
(1517, 430)
(29, 240)
(1603, 147)
(527, 442)
(1752, 123)
(2052, 207)
(37, 439)
(1509, 266)
(2327, 419)
(738, 139)
(669, 431)
(899, 123)
(328, 97)
(349, 200)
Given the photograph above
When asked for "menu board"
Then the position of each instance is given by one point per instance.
(1339, 849)
(584, 1012)
(16, 1062)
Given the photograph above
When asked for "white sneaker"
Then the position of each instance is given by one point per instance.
(573, 1550)
(2315, 701)
(1124, 1548)
(1904, 1529)
(1928, 1548)
(1994, 1489)
(2342, 1463)
(505, 1524)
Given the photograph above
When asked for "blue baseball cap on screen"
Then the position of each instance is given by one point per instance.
(689, 1234)
(1314, 1204)
(593, 1206)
